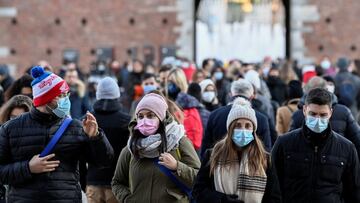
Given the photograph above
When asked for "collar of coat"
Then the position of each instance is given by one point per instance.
(107, 105)
(43, 117)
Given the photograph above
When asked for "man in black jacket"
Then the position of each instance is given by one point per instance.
(55, 177)
(314, 163)
(216, 127)
(342, 121)
(107, 111)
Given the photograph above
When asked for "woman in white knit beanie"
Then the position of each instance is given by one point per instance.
(238, 168)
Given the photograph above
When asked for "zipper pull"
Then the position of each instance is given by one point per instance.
(316, 149)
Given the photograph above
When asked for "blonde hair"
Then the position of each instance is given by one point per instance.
(226, 152)
(177, 75)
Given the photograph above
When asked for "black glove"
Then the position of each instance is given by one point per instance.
(230, 199)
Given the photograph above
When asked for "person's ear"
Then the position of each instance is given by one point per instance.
(304, 110)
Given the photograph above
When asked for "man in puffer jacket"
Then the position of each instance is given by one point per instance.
(342, 120)
(55, 177)
(314, 163)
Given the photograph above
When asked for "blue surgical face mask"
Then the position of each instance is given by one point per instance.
(317, 125)
(242, 137)
(218, 75)
(149, 88)
(63, 107)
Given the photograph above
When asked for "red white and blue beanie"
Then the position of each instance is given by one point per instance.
(46, 86)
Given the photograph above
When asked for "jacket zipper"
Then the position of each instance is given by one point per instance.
(312, 171)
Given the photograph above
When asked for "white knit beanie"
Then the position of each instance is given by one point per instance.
(203, 84)
(241, 108)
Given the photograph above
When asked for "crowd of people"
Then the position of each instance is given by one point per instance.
(231, 132)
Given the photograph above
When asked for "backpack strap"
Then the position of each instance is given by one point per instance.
(50, 146)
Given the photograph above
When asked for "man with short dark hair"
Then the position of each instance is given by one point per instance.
(314, 163)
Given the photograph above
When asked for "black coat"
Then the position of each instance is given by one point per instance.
(114, 122)
(216, 128)
(322, 170)
(204, 188)
(26, 136)
(277, 89)
(342, 121)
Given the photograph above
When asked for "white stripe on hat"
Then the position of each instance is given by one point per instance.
(45, 85)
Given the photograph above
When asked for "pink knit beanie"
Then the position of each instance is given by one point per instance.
(155, 103)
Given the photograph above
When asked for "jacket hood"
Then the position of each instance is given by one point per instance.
(107, 105)
(187, 101)
(334, 100)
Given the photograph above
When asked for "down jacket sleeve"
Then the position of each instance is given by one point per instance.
(11, 172)
(99, 151)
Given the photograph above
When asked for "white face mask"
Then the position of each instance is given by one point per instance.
(330, 88)
(208, 96)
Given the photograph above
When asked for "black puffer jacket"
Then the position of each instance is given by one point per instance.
(317, 168)
(115, 125)
(342, 121)
(26, 136)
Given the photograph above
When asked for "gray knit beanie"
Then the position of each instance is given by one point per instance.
(107, 89)
(241, 108)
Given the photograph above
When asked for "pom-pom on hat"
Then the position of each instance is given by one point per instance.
(241, 108)
(46, 86)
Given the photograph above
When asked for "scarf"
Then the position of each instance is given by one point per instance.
(148, 147)
(248, 188)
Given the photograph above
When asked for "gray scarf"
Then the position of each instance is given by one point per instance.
(148, 147)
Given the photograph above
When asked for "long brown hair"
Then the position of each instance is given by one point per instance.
(17, 101)
(226, 152)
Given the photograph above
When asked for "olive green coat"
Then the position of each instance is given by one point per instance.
(140, 180)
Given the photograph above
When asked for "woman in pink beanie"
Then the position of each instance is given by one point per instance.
(157, 145)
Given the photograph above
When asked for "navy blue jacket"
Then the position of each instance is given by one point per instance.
(216, 128)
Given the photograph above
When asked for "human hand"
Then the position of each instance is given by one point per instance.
(42, 165)
(167, 160)
(90, 125)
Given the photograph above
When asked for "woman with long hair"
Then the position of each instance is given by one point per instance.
(237, 169)
(157, 147)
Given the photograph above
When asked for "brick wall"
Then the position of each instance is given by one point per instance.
(33, 34)
(337, 32)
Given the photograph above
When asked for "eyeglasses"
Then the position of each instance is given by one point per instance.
(63, 95)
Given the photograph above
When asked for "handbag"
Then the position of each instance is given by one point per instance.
(50, 146)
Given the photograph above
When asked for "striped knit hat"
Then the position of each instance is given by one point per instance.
(46, 86)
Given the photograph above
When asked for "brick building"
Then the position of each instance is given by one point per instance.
(32, 30)
(35, 29)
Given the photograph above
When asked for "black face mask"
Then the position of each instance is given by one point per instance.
(173, 90)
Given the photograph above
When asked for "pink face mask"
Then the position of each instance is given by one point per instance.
(147, 126)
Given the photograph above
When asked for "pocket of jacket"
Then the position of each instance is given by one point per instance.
(297, 165)
(177, 195)
(332, 169)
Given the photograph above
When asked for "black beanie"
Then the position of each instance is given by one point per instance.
(194, 90)
(294, 89)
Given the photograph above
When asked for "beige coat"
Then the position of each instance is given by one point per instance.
(283, 116)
